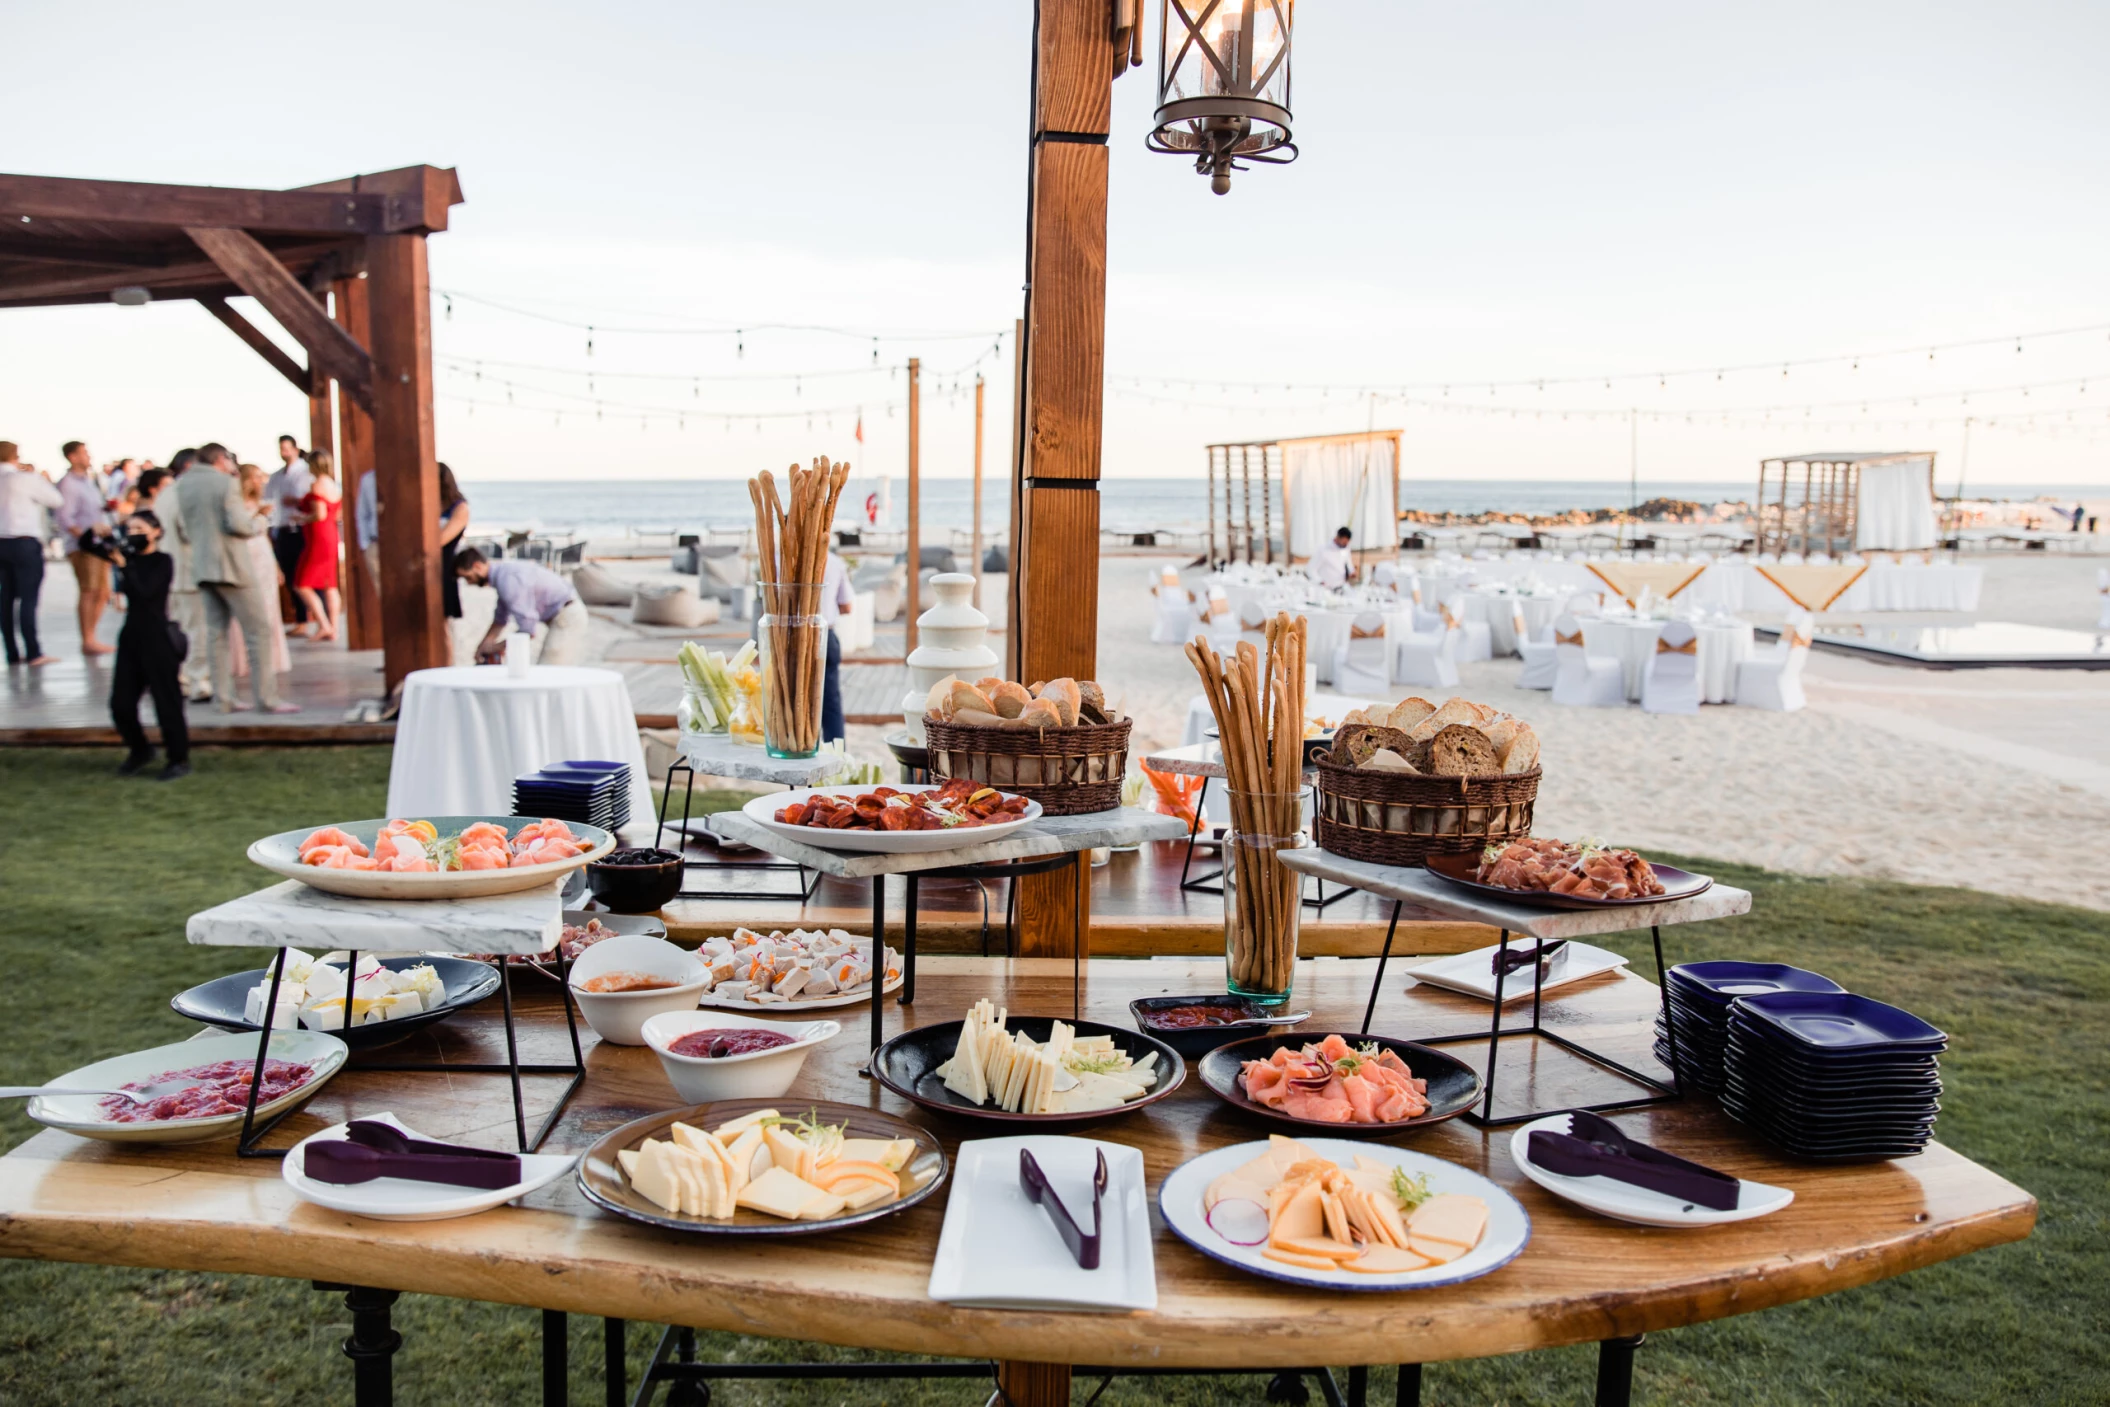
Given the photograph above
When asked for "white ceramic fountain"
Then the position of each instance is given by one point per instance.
(951, 638)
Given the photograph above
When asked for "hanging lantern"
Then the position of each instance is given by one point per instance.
(1223, 84)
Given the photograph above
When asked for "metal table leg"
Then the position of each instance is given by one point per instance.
(1200, 883)
(1377, 983)
(908, 947)
(1615, 1371)
(878, 965)
(373, 1343)
(556, 1356)
(614, 1362)
(1408, 1394)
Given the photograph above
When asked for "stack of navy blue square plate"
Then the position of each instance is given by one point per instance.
(1833, 1076)
(592, 793)
(1698, 995)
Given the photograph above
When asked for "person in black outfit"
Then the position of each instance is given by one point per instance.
(148, 655)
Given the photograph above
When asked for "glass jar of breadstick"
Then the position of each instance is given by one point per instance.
(1262, 896)
(793, 642)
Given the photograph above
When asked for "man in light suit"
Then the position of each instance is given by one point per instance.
(212, 521)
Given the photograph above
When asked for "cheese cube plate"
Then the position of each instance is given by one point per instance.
(1508, 1224)
(602, 1180)
(220, 1001)
(908, 1065)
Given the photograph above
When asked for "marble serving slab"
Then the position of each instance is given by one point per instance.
(292, 915)
(1050, 835)
(1428, 896)
(717, 755)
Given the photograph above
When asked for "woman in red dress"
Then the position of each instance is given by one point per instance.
(316, 576)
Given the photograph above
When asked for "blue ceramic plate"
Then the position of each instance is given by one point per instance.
(1720, 983)
(1828, 1021)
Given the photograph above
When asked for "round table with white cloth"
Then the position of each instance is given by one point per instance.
(1723, 646)
(1628, 639)
(465, 733)
(1327, 630)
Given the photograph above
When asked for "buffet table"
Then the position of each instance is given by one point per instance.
(1582, 1279)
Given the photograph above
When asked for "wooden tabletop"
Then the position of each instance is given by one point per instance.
(1582, 1277)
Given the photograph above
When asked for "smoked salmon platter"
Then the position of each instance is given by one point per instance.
(1358, 1086)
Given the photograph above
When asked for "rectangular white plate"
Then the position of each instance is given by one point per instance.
(999, 1251)
(1473, 973)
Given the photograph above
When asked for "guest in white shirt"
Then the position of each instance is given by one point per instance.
(283, 493)
(1333, 565)
(84, 508)
(24, 495)
(837, 600)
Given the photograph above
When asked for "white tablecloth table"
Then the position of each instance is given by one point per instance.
(1723, 646)
(465, 733)
(1628, 639)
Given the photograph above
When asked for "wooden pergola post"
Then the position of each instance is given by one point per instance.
(1055, 566)
(355, 460)
(915, 498)
(406, 456)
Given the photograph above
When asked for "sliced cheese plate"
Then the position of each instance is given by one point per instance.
(909, 1066)
(603, 1179)
(1507, 1232)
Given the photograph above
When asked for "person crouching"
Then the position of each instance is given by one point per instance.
(150, 649)
(534, 600)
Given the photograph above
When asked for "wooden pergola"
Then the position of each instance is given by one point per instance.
(1820, 513)
(341, 266)
(1239, 461)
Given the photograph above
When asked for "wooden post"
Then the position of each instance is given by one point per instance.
(355, 459)
(1212, 558)
(322, 435)
(405, 455)
(1245, 484)
(1267, 515)
(976, 569)
(915, 496)
(1055, 566)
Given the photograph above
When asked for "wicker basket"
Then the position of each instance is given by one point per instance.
(1400, 818)
(1069, 771)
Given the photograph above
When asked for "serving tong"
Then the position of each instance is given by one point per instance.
(1083, 1245)
(371, 1149)
(1595, 1147)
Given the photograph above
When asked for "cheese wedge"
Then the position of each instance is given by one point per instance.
(1336, 1216)
(871, 1194)
(1323, 1246)
(626, 1159)
(821, 1206)
(1457, 1219)
(889, 1153)
(842, 1170)
(1261, 1172)
(963, 1073)
(1436, 1252)
(1384, 1260)
(741, 1153)
(779, 1193)
(1384, 1211)
(786, 1151)
(1304, 1261)
(734, 1127)
(1287, 1152)
(1232, 1187)
(1302, 1217)
(655, 1177)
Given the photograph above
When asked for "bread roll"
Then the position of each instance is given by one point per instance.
(939, 704)
(988, 684)
(1009, 697)
(975, 718)
(1041, 713)
(1090, 693)
(966, 696)
(1065, 695)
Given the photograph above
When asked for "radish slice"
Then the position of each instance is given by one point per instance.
(1238, 1221)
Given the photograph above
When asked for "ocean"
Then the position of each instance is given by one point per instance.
(658, 505)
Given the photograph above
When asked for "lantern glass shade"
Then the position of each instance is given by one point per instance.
(1223, 84)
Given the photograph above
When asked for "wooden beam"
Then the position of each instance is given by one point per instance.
(184, 279)
(399, 292)
(259, 274)
(355, 458)
(1055, 556)
(146, 203)
(417, 197)
(915, 497)
(85, 253)
(263, 346)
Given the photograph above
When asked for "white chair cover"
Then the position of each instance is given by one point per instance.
(1427, 658)
(1670, 681)
(1583, 680)
(1363, 662)
(1773, 681)
(1541, 666)
(1475, 640)
(1176, 619)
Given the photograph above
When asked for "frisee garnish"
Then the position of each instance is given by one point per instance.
(1096, 1064)
(1411, 1191)
(1356, 1059)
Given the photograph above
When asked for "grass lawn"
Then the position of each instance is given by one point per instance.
(100, 874)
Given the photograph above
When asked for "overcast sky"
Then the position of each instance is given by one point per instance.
(1487, 194)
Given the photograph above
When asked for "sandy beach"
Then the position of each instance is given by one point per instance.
(1977, 777)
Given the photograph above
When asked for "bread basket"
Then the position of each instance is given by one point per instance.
(1402, 818)
(1069, 771)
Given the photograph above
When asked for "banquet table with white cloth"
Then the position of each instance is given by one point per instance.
(466, 732)
(1722, 645)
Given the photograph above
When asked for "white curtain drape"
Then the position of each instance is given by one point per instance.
(1896, 508)
(1326, 483)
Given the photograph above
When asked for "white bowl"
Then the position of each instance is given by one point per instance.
(617, 1017)
(761, 1074)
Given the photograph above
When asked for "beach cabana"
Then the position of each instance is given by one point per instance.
(1845, 502)
(341, 266)
(1324, 482)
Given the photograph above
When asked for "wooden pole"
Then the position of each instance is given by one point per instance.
(1212, 557)
(977, 567)
(355, 459)
(405, 454)
(1014, 474)
(915, 496)
(1055, 582)
(1267, 515)
(322, 435)
(1245, 484)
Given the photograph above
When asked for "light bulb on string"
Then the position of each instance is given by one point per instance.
(448, 299)
(589, 339)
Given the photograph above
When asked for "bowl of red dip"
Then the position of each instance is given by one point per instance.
(1196, 1025)
(711, 1055)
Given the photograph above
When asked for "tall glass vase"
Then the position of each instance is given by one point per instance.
(1262, 896)
(793, 643)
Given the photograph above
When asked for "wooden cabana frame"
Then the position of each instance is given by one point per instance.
(1238, 460)
(1821, 514)
(341, 266)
